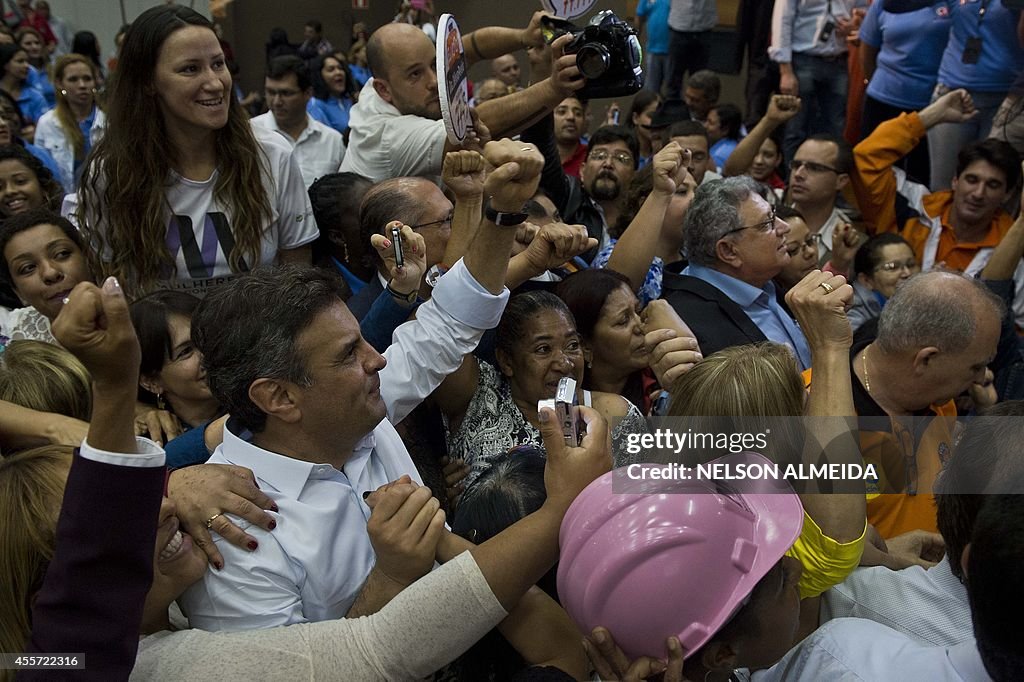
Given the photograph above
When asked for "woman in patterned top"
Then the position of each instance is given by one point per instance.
(489, 410)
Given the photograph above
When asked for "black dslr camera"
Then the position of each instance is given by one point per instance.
(607, 53)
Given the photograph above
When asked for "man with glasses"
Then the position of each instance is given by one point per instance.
(317, 148)
(420, 204)
(595, 199)
(817, 174)
(736, 245)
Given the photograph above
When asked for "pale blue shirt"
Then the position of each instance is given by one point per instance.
(860, 649)
(797, 24)
(693, 15)
(761, 306)
(313, 565)
(929, 605)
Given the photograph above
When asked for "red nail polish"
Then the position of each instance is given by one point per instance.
(218, 565)
(252, 545)
(273, 507)
(272, 525)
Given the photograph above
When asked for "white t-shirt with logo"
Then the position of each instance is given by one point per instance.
(200, 234)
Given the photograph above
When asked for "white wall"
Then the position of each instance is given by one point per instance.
(103, 17)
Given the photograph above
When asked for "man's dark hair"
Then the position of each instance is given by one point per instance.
(688, 129)
(995, 584)
(247, 330)
(844, 152)
(612, 134)
(706, 81)
(987, 454)
(996, 152)
(730, 120)
(315, 25)
(280, 67)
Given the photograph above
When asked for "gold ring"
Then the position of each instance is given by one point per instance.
(209, 521)
(827, 287)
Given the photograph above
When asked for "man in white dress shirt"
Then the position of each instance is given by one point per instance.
(313, 408)
(319, 149)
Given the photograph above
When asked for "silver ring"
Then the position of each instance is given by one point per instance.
(527, 149)
(827, 287)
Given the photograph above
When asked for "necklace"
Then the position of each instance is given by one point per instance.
(864, 360)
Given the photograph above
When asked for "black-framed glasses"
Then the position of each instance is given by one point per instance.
(766, 225)
(892, 266)
(811, 243)
(441, 223)
(812, 167)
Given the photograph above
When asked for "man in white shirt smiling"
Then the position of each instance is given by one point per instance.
(312, 408)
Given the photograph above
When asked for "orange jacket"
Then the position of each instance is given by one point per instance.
(876, 185)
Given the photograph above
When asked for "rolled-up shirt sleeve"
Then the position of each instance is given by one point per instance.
(147, 454)
(426, 350)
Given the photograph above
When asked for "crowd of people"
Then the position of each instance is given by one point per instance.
(293, 385)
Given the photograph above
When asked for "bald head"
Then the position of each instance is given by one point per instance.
(506, 68)
(388, 45)
(940, 309)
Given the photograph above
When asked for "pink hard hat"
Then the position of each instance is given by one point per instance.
(671, 557)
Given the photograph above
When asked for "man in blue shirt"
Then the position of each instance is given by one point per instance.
(654, 15)
(735, 245)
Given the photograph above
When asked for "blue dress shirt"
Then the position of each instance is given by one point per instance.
(762, 307)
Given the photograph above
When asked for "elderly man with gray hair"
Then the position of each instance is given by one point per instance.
(936, 337)
(735, 245)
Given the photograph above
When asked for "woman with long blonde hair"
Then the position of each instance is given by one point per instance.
(70, 130)
(179, 192)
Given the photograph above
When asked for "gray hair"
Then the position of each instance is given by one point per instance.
(706, 81)
(933, 309)
(391, 199)
(247, 330)
(713, 214)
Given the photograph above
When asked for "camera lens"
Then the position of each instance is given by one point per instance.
(593, 60)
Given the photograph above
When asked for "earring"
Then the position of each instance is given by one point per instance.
(64, 92)
(160, 404)
(590, 364)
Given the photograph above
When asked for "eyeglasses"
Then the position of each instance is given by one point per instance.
(766, 225)
(620, 157)
(811, 243)
(892, 266)
(812, 167)
(280, 93)
(441, 223)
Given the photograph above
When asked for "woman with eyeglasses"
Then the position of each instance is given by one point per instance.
(880, 266)
(802, 247)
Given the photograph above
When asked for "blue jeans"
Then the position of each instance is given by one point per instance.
(823, 88)
(657, 72)
(945, 140)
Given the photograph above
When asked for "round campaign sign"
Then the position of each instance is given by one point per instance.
(452, 84)
(568, 9)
